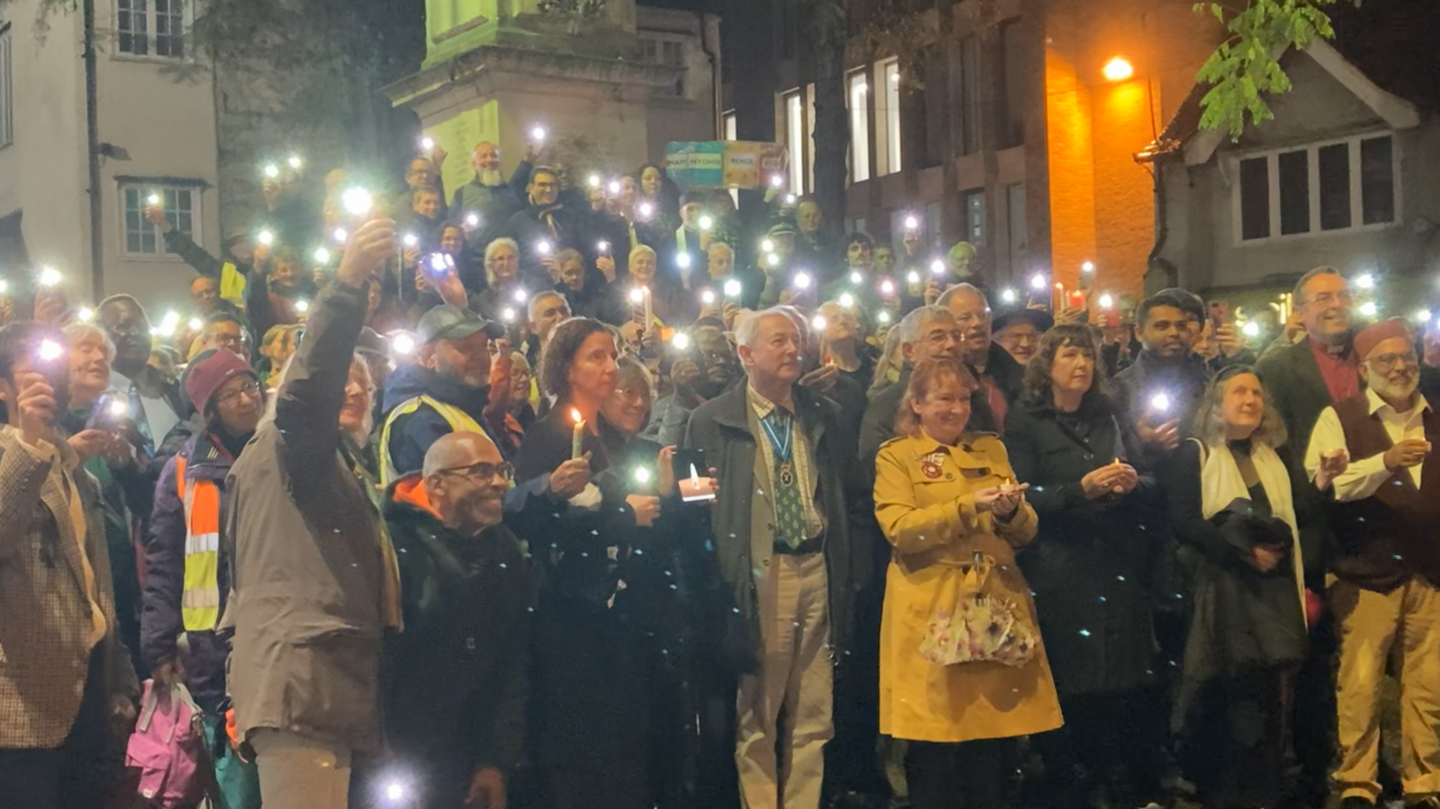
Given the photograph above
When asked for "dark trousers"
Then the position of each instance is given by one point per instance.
(1235, 751)
(964, 775)
(76, 775)
(1111, 743)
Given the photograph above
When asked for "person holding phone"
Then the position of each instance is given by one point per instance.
(949, 505)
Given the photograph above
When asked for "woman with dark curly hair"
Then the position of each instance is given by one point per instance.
(1089, 568)
(595, 668)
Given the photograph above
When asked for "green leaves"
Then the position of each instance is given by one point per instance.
(1245, 68)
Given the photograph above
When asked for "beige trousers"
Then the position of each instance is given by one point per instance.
(297, 772)
(1373, 626)
(784, 711)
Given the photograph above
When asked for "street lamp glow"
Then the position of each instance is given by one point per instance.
(1038, 282)
(846, 300)
(1009, 295)
(357, 201)
(1366, 281)
(1118, 69)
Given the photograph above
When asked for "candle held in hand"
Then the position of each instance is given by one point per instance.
(577, 440)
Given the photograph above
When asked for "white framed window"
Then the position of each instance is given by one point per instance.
(729, 125)
(795, 139)
(1332, 186)
(151, 27)
(182, 208)
(975, 216)
(887, 117)
(858, 91)
(7, 85)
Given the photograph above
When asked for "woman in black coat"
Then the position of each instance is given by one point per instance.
(1089, 568)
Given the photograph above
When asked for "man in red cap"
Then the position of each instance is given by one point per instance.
(1384, 564)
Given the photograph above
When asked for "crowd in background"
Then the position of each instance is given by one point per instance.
(590, 492)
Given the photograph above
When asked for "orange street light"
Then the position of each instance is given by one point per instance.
(1118, 69)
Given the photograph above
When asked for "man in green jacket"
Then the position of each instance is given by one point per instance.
(456, 680)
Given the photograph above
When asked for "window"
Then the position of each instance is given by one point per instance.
(141, 237)
(975, 216)
(650, 51)
(151, 27)
(1019, 232)
(887, 117)
(1013, 98)
(672, 53)
(1326, 187)
(7, 99)
(728, 125)
(795, 140)
(969, 88)
(859, 92)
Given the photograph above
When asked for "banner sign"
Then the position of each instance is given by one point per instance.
(724, 163)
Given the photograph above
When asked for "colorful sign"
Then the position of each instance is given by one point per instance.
(724, 164)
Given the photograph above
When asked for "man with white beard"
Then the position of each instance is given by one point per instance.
(488, 195)
(1383, 565)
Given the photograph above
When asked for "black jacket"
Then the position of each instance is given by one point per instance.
(1090, 565)
(455, 680)
(883, 406)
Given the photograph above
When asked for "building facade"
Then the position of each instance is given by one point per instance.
(609, 91)
(1011, 124)
(156, 135)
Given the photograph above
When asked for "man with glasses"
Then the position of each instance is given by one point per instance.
(928, 333)
(456, 677)
(1001, 377)
(224, 330)
(1374, 448)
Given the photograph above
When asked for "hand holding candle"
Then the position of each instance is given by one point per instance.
(577, 441)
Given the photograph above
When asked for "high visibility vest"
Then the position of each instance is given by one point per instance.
(232, 284)
(459, 421)
(200, 599)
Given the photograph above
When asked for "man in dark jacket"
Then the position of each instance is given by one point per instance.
(456, 680)
(782, 530)
(231, 273)
(488, 195)
(1001, 377)
(186, 578)
(545, 224)
(588, 293)
(447, 391)
(927, 333)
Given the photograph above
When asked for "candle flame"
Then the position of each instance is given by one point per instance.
(575, 414)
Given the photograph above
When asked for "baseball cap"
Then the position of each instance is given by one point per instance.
(453, 323)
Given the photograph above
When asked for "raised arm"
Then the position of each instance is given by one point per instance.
(307, 412)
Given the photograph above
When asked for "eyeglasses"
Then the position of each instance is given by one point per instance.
(1386, 362)
(1327, 298)
(251, 389)
(482, 471)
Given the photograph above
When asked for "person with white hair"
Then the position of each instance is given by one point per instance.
(927, 333)
(783, 530)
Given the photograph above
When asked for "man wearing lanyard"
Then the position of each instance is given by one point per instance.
(789, 494)
(154, 398)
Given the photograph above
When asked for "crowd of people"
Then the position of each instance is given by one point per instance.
(586, 492)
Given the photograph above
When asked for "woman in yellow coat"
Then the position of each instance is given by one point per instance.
(946, 498)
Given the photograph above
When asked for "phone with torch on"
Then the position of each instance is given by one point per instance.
(693, 476)
(110, 413)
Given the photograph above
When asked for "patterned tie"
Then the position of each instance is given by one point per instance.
(790, 526)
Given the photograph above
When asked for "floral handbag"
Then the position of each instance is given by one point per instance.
(976, 627)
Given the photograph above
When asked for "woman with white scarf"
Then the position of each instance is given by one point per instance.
(1234, 513)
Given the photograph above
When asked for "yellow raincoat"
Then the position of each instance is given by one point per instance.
(924, 501)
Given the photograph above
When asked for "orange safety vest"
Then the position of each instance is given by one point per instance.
(200, 599)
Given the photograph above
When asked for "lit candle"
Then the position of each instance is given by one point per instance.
(577, 440)
(694, 477)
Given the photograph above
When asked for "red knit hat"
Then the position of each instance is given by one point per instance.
(210, 373)
(1377, 333)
